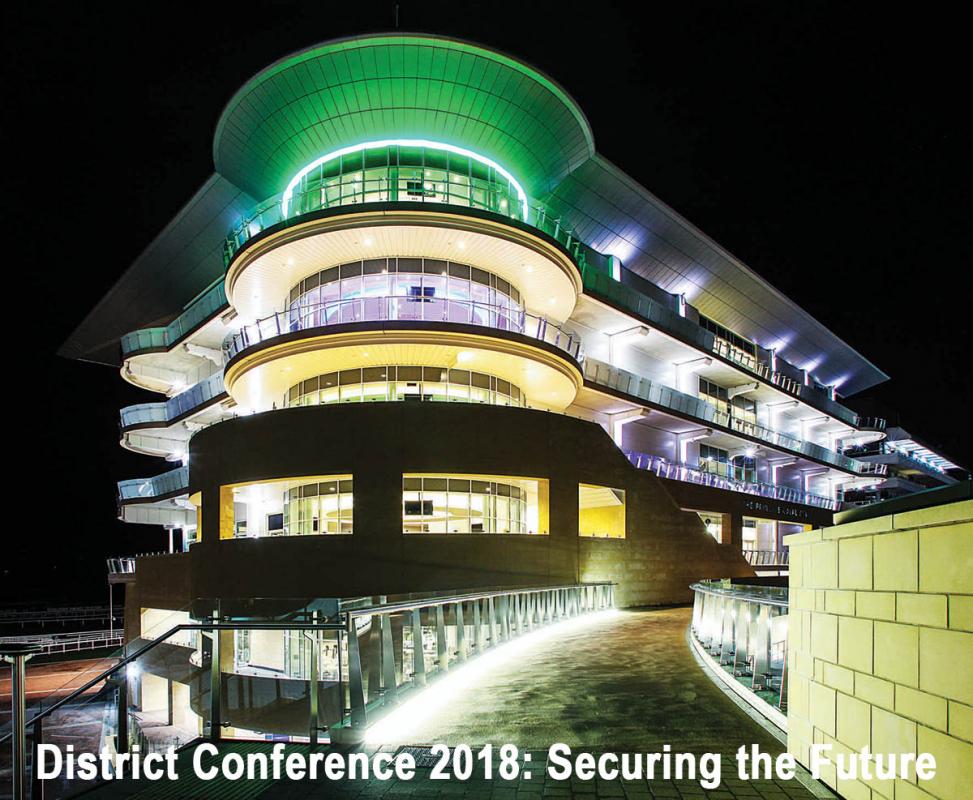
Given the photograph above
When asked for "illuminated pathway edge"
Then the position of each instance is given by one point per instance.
(627, 682)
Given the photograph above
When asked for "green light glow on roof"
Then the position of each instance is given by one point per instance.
(424, 143)
(396, 86)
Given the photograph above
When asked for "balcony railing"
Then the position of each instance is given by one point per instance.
(889, 448)
(384, 186)
(742, 630)
(601, 284)
(195, 398)
(124, 565)
(871, 423)
(680, 472)
(168, 483)
(441, 633)
(403, 309)
(659, 394)
(767, 558)
(198, 311)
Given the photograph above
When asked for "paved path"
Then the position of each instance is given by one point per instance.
(626, 684)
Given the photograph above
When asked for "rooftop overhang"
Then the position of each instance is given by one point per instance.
(612, 213)
(403, 86)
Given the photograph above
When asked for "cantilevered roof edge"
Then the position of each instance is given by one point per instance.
(348, 42)
(674, 218)
(180, 261)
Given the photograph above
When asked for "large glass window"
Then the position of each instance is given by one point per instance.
(473, 504)
(324, 507)
(601, 511)
(404, 288)
(744, 468)
(407, 173)
(726, 334)
(738, 407)
(714, 460)
(296, 507)
(436, 384)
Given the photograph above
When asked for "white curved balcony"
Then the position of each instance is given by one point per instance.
(404, 309)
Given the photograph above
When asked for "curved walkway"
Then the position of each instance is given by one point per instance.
(626, 683)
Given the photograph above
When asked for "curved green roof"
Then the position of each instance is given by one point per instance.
(347, 91)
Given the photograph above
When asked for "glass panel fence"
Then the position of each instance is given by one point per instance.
(744, 630)
(659, 394)
(409, 309)
(176, 480)
(196, 312)
(387, 185)
(679, 472)
(279, 670)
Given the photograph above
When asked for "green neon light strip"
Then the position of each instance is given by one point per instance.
(355, 148)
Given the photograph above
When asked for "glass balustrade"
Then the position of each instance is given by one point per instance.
(403, 309)
(601, 284)
(195, 398)
(742, 631)
(659, 394)
(168, 483)
(297, 669)
(679, 472)
(386, 185)
(889, 448)
(196, 312)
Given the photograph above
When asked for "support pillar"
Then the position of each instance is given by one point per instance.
(17, 656)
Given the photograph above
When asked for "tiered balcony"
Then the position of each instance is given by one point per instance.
(196, 314)
(686, 405)
(679, 472)
(159, 487)
(185, 404)
(600, 284)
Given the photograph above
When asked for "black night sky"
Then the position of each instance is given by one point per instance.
(821, 143)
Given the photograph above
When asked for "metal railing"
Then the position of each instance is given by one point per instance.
(352, 190)
(744, 630)
(888, 448)
(195, 398)
(767, 558)
(168, 483)
(378, 653)
(871, 423)
(31, 616)
(680, 472)
(659, 394)
(74, 642)
(199, 310)
(403, 309)
(601, 284)
(121, 566)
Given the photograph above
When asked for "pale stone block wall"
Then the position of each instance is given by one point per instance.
(880, 646)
